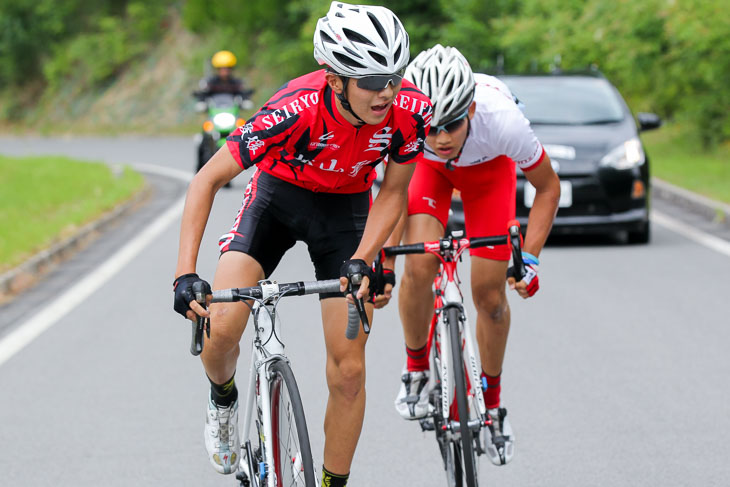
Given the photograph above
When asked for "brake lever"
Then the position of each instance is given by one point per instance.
(201, 324)
(516, 244)
(353, 284)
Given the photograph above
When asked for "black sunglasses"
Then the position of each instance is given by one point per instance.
(377, 82)
(450, 126)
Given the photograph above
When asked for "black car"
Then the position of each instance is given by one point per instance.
(593, 141)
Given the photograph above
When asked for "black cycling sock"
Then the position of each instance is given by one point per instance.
(224, 394)
(330, 479)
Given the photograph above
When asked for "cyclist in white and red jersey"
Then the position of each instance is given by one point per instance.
(315, 145)
(477, 137)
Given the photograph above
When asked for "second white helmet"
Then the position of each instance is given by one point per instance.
(360, 40)
(443, 75)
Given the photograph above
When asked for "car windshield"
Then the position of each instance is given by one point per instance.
(566, 100)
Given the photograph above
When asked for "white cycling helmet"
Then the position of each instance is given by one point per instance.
(361, 40)
(443, 75)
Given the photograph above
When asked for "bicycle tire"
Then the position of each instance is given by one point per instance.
(449, 449)
(467, 441)
(292, 453)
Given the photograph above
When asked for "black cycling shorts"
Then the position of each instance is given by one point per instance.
(276, 214)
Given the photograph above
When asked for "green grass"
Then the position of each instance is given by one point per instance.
(45, 199)
(675, 158)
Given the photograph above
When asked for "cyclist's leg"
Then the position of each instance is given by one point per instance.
(488, 194)
(429, 199)
(334, 230)
(243, 262)
(493, 313)
(415, 297)
(251, 250)
(228, 320)
(346, 383)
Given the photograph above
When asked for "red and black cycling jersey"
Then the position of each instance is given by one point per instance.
(299, 136)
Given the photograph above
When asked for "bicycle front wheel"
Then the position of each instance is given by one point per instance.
(290, 438)
(467, 441)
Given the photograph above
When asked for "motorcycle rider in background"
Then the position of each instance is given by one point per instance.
(223, 80)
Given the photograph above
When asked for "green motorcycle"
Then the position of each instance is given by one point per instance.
(223, 116)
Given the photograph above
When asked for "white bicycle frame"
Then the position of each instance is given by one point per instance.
(267, 346)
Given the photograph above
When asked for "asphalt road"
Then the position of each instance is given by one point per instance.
(616, 372)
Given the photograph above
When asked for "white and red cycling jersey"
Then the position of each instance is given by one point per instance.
(299, 136)
(499, 138)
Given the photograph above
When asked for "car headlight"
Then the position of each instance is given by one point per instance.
(224, 120)
(628, 155)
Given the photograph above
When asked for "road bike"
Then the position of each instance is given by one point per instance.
(458, 413)
(275, 444)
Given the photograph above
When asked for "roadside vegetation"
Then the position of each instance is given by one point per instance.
(46, 199)
(120, 66)
(675, 159)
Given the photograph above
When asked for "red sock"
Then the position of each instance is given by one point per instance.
(494, 387)
(417, 359)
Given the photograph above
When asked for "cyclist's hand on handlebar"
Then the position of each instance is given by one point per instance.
(350, 268)
(185, 302)
(384, 284)
(529, 285)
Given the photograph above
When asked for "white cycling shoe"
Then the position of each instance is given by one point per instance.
(221, 437)
(412, 400)
(498, 437)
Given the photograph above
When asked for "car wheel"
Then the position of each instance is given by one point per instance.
(641, 236)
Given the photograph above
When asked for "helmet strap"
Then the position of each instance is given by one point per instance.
(346, 104)
(449, 166)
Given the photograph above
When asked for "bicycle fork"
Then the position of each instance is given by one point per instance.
(452, 298)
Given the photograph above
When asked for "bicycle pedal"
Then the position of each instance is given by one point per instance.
(426, 424)
(243, 478)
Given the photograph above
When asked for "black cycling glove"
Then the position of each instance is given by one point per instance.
(356, 266)
(381, 276)
(183, 289)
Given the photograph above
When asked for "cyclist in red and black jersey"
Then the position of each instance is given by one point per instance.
(315, 145)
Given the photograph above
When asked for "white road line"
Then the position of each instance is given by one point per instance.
(164, 171)
(710, 241)
(62, 305)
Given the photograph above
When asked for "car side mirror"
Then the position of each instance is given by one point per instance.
(648, 121)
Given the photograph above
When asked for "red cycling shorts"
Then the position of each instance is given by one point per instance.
(487, 193)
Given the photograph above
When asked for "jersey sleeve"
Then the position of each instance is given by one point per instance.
(410, 136)
(517, 140)
(263, 133)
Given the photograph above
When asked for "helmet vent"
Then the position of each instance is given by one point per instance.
(355, 37)
(325, 38)
(354, 53)
(451, 86)
(397, 53)
(396, 27)
(379, 58)
(347, 61)
(379, 28)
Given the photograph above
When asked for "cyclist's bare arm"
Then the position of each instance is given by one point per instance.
(540, 220)
(219, 170)
(544, 207)
(383, 215)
